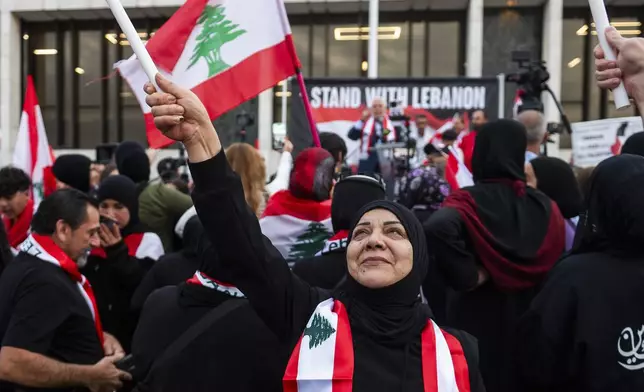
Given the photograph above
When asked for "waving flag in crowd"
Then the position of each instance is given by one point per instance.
(456, 173)
(32, 152)
(221, 51)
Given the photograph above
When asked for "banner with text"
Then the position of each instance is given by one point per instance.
(338, 103)
(594, 141)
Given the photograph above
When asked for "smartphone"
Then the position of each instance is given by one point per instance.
(107, 221)
(126, 364)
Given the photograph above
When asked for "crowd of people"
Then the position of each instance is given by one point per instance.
(529, 280)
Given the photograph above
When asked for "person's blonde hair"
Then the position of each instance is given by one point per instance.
(248, 163)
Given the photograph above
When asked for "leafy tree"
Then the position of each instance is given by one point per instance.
(216, 31)
(310, 242)
(319, 331)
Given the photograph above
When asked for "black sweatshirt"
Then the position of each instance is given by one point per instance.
(585, 329)
(283, 301)
(114, 280)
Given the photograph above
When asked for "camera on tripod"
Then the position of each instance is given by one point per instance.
(531, 79)
(244, 120)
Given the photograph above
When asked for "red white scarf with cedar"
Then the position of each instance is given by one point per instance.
(388, 134)
(323, 359)
(18, 230)
(46, 249)
(201, 279)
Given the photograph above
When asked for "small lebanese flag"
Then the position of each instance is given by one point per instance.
(225, 51)
(456, 173)
(32, 152)
(518, 101)
(297, 228)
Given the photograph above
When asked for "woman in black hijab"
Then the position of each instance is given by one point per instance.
(583, 332)
(557, 180)
(127, 252)
(634, 144)
(372, 334)
(495, 242)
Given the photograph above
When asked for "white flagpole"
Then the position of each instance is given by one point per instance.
(135, 41)
(372, 57)
(284, 100)
(598, 9)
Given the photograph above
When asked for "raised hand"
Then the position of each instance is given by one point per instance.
(629, 66)
(181, 116)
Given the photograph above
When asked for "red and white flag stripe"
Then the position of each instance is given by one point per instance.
(326, 364)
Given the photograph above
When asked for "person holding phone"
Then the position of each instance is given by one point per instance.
(127, 251)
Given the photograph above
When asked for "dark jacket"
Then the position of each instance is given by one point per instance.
(237, 353)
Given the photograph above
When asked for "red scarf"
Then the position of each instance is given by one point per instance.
(516, 272)
(323, 359)
(388, 132)
(46, 249)
(18, 231)
(203, 280)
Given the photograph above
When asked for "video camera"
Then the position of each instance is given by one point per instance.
(168, 168)
(244, 120)
(531, 78)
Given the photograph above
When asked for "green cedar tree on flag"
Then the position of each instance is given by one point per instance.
(319, 330)
(225, 51)
(310, 242)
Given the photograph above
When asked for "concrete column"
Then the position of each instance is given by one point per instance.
(265, 129)
(474, 52)
(552, 53)
(10, 41)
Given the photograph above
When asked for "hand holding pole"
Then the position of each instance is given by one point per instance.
(598, 9)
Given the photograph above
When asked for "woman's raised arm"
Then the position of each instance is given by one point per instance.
(252, 264)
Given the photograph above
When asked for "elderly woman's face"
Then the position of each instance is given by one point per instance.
(379, 253)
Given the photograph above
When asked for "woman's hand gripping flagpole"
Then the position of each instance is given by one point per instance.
(135, 41)
(598, 9)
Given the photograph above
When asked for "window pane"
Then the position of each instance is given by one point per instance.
(418, 49)
(392, 53)
(133, 122)
(345, 54)
(444, 44)
(88, 72)
(112, 90)
(301, 41)
(319, 57)
(572, 77)
(45, 81)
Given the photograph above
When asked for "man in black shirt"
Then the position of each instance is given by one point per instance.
(49, 325)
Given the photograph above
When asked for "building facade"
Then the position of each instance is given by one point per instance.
(70, 46)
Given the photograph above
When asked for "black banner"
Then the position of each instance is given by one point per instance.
(337, 103)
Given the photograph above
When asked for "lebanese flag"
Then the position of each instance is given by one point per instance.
(518, 101)
(225, 51)
(32, 152)
(298, 228)
(456, 173)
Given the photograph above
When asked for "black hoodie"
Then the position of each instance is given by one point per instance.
(585, 329)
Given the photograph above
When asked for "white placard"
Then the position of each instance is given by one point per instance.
(594, 141)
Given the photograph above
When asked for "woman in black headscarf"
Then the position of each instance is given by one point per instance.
(371, 334)
(495, 242)
(634, 144)
(127, 252)
(583, 332)
(557, 180)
